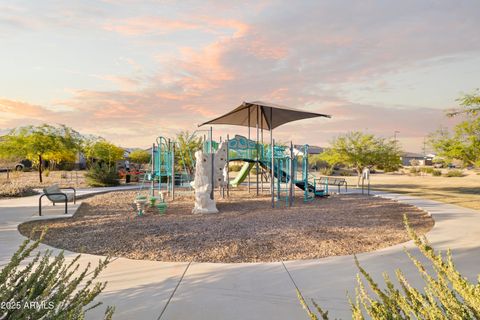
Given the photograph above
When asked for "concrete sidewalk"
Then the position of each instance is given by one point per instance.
(159, 290)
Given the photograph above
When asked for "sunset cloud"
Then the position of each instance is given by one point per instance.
(137, 70)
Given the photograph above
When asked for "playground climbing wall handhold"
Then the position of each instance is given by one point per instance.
(219, 165)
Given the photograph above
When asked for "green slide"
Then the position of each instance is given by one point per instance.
(242, 174)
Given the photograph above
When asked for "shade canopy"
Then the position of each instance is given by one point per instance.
(265, 115)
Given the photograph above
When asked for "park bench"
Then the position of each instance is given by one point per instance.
(55, 195)
(339, 182)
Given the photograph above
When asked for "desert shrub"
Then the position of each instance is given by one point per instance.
(414, 170)
(234, 167)
(447, 294)
(427, 170)
(102, 176)
(436, 173)
(454, 173)
(326, 171)
(61, 289)
(12, 188)
(346, 173)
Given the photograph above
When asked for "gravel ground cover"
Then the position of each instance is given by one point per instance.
(245, 230)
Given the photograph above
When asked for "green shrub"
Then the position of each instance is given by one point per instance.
(12, 188)
(436, 173)
(427, 170)
(63, 289)
(447, 294)
(102, 176)
(326, 171)
(414, 170)
(454, 173)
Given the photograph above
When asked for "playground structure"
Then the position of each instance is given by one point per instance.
(282, 167)
(290, 171)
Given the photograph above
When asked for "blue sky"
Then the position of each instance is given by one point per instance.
(132, 70)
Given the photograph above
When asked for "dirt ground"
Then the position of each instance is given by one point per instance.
(461, 191)
(247, 229)
(74, 179)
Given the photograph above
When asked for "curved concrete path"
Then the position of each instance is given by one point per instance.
(161, 290)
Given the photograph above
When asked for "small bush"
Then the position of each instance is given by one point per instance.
(415, 171)
(12, 188)
(454, 173)
(46, 172)
(326, 171)
(446, 294)
(427, 170)
(346, 173)
(436, 173)
(102, 176)
(65, 291)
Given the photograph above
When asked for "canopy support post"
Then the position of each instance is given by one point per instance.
(152, 176)
(248, 147)
(257, 149)
(272, 163)
(292, 176)
(212, 180)
(228, 167)
(262, 147)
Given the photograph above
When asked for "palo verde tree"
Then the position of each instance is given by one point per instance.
(99, 150)
(187, 144)
(464, 142)
(39, 143)
(139, 156)
(360, 150)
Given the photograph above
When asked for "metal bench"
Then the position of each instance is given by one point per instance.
(55, 195)
(339, 182)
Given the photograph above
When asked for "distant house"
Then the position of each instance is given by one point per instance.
(423, 160)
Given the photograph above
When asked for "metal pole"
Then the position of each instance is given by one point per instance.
(262, 147)
(228, 167)
(272, 166)
(258, 149)
(152, 176)
(248, 147)
(212, 180)
(291, 175)
(173, 171)
(167, 171)
(271, 154)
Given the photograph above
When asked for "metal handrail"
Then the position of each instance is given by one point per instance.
(52, 194)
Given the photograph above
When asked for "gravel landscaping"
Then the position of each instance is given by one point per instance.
(245, 230)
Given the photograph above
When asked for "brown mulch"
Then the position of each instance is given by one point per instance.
(247, 229)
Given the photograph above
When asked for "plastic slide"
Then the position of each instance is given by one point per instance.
(299, 184)
(242, 174)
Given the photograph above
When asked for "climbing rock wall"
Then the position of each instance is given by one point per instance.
(202, 183)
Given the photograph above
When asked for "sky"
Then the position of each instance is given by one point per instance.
(133, 70)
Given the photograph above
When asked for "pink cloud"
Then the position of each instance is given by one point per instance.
(143, 25)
